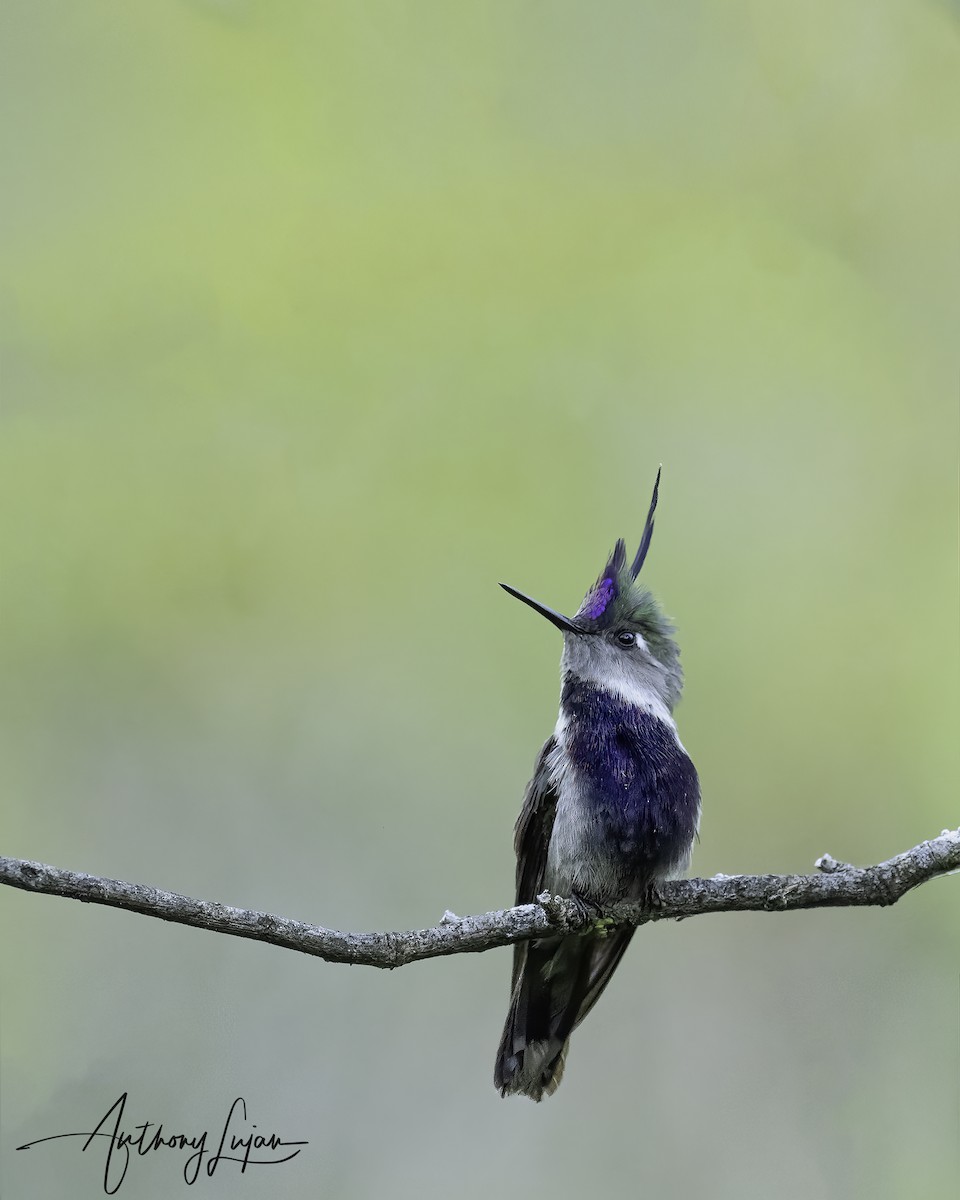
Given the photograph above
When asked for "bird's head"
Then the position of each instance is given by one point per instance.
(619, 637)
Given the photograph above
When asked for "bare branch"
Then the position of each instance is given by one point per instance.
(837, 884)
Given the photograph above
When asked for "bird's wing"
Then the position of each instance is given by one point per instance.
(534, 826)
(532, 840)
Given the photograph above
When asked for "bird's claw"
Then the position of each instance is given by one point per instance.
(587, 910)
(590, 913)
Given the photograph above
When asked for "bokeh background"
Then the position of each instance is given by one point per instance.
(321, 319)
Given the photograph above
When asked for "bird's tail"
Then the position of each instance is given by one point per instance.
(556, 983)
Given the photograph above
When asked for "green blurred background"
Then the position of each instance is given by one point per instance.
(319, 320)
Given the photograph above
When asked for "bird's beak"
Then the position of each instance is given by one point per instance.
(552, 615)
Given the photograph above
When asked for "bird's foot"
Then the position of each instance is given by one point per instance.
(590, 913)
(651, 897)
(586, 909)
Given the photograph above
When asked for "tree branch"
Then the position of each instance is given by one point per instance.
(837, 884)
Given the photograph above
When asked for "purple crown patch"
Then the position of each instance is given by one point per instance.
(595, 605)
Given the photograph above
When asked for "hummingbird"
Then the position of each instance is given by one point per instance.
(613, 808)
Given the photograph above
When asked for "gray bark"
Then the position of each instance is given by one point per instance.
(835, 885)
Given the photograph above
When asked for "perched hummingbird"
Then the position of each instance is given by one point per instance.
(612, 809)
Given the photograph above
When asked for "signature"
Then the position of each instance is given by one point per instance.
(236, 1144)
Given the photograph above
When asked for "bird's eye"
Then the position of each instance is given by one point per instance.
(626, 639)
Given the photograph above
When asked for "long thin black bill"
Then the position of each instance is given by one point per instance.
(551, 614)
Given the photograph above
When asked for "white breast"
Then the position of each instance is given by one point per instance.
(574, 861)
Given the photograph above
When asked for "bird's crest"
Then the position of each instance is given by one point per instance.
(616, 596)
